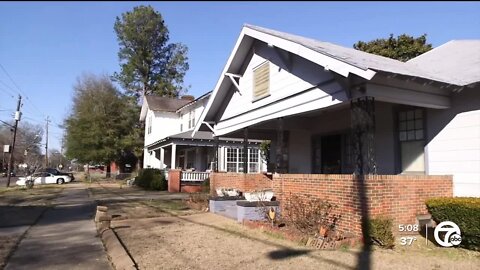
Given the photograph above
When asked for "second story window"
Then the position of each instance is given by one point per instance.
(191, 119)
(181, 122)
(149, 125)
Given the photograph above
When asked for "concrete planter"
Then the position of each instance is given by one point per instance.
(255, 210)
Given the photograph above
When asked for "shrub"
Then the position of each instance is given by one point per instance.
(463, 211)
(380, 230)
(151, 179)
(206, 186)
(309, 214)
(198, 201)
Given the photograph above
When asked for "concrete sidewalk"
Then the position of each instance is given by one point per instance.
(64, 238)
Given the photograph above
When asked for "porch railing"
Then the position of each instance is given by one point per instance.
(194, 176)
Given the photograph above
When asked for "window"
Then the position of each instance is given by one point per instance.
(253, 160)
(191, 119)
(181, 122)
(411, 136)
(261, 81)
(190, 159)
(149, 125)
(410, 125)
(235, 158)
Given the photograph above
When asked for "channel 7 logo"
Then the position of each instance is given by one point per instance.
(452, 235)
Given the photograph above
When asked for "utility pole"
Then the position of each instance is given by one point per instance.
(17, 119)
(46, 143)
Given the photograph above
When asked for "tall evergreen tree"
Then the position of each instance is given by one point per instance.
(149, 63)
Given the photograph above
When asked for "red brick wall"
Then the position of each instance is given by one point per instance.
(401, 197)
(241, 181)
(191, 188)
(174, 180)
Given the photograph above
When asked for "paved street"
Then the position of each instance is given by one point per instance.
(64, 238)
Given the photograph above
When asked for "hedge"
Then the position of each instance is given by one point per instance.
(151, 179)
(463, 211)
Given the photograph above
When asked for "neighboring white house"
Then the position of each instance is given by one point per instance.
(323, 106)
(169, 123)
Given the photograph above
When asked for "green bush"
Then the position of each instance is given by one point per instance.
(380, 230)
(206, 186)
(151, 179)
(463, 211)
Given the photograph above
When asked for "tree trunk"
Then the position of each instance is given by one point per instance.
(109, 174)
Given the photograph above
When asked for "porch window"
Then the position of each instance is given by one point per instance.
(235, 157)
(261, 81)
(190, 157)
(411, 136)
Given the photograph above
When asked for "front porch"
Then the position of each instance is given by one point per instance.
(386, 138)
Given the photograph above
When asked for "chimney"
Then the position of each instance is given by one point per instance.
(188, 97)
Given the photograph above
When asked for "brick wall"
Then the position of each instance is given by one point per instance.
(401, 197)
(191, 188)
(174, 180)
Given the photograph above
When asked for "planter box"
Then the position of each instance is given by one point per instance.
(226, 206)
(255, 210)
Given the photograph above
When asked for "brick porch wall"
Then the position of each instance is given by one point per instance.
(401, 197)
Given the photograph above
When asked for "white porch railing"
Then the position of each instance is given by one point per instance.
(194, 176)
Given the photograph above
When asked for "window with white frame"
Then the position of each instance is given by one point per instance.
(234, 160)
(411, 136)
(191, 119)
(149, 125)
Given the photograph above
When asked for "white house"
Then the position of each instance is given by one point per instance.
(169, 123)
(329, 109)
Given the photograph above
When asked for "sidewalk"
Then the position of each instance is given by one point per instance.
(64, 238)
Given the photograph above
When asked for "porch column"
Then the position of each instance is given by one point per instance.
(363, 135)
(162, 158)
(173, 157)
(245, 150)
(216, 141)
(279, 146)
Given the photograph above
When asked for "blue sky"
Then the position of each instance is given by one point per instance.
(44, 46)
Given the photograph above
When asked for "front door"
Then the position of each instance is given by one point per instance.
(327, 154)
(332, 154)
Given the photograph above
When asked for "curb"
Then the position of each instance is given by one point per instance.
(119, 257)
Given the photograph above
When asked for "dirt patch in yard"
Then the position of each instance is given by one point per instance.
(208, 241)
(134, 203)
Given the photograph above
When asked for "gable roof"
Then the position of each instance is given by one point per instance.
(165, 104)
(457, 60)
(341, 60)
(202, 97)
(363, 60)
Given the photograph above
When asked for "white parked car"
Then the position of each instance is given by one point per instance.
(44, 178)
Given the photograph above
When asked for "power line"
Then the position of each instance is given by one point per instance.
(19, 90)
(5, 89)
